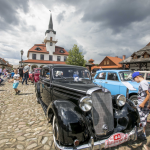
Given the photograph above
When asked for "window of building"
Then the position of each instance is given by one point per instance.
(33, 56)
(112, 76)
(50, 38)
(58, 58)
(37, 48)
(42, 57)
(146, 56)
(104, 62)
(65, 58)
(61, 51)
(107, 62)
(50, 57)
(51, 44)
(134, 57)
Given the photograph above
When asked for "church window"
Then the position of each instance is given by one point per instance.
(104, 62)
(107, 62)
(50, 38)
(33, 56)
(65, 58)
(38, 49)
(51, 44)
(58, 58)
(42, 57)
(50, 57)
(61, 51)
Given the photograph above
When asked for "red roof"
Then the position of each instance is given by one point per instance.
(43, 61)
(91, 60)
(58, 51)
(148, 44)
(43, 49)
(116, 60)
(41, 46)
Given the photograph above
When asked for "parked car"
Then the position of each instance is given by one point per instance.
(118, 82)
(82, 114)
(35, 75)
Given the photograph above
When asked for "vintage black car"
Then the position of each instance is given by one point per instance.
(84, 115)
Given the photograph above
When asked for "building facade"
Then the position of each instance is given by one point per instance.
(139, 60)
(109, 63)
(48, 52)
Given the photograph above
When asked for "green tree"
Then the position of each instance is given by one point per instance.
(75, 57)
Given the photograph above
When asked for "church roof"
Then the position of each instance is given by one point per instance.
(41, 48)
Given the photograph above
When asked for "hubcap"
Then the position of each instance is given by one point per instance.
(135, 101)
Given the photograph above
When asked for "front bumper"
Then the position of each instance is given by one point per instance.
(99, 144)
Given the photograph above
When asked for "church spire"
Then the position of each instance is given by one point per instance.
(50, 26)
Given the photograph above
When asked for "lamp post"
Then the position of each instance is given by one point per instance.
(21, 56)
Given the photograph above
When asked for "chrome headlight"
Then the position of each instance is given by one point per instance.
(86, 103)
(121, 100)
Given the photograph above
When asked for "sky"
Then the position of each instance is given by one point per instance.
(99, 27)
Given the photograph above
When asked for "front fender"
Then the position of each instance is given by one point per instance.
(70, 121)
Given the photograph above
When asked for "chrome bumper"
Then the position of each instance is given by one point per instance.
(99, 144)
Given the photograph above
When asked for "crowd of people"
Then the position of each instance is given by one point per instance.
(17, 75)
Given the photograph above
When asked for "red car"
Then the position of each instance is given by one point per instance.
(35, 75)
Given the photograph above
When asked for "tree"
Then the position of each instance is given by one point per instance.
(75, 57)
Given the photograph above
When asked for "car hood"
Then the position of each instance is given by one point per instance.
(82, 86)
(134, 84)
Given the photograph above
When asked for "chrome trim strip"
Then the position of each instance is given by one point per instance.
(90, 91)
(98, 144)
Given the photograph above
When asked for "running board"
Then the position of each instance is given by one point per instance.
(44, 106)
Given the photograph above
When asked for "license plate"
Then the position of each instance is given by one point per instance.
(116, 139)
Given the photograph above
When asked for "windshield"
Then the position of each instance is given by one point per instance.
(126, 75)
(75, 73)
(37, 70)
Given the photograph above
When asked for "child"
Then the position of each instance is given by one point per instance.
(143, 100)
(16, 81)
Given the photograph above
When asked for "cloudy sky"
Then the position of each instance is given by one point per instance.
(99, 27)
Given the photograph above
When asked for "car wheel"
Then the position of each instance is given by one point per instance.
(134, 99)
(55, 131)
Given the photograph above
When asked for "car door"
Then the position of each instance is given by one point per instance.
(100, 78)
(112, 83)
(45, 86)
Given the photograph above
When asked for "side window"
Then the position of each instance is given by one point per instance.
(148, 76)
(45, 73)
(101, 75)
(112, 76)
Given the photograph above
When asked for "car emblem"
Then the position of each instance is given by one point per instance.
(105, 128)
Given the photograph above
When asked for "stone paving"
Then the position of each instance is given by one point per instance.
(23, 125)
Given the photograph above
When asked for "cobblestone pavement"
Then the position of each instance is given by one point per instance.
(23, 124)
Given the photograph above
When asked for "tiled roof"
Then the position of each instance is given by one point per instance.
(5, 62)
(91, 60)
(58, 51)
(115, 60)
(105, 67)
(43, 49)
(43, 61)
(41, 46)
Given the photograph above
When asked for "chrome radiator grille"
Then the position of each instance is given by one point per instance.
(102, 112)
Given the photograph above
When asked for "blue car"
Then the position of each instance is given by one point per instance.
(118, 82)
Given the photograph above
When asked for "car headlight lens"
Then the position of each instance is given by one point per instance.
(121, 100)
(86, 103)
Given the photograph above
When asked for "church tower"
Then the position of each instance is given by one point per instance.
(50, 40)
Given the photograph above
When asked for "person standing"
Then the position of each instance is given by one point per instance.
(21, 73)
(4, 71)
(26, 71)
(143, 101)
(16, 81)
